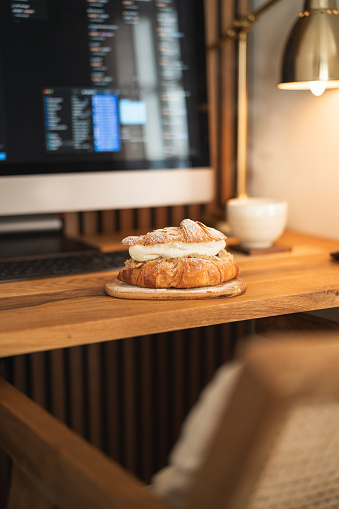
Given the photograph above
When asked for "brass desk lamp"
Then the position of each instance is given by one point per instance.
(311, 61)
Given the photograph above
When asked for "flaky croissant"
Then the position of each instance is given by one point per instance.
(190, 271)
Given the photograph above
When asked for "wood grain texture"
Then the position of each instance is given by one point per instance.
(68, 311)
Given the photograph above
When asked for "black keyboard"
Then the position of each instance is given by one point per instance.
(61, 265)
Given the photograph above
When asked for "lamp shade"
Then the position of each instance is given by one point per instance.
(311, 57)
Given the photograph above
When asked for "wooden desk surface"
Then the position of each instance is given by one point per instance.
(66, 311)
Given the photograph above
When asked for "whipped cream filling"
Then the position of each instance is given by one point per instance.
(142, 253)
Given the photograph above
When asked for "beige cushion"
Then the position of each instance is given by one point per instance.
(172, 482)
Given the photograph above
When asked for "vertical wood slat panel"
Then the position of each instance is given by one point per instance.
(194, 353)
(161, 217)
(126, 220)
(179, 380)
(38, 373)
(211, 16)
(129, 397)
(90, 223)
(144, 218)
(146, 407)
(222, 72)
(228, 104)
(93, 401)
(209, 353)
(76, 390)
(177, 215)
(20, 374)
(194, 212)
(129, 404)
(112, 391)
(57, 374)
(108, 221)
(162, 398)
(71, 224)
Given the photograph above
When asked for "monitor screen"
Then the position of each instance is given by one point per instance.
(102, 105)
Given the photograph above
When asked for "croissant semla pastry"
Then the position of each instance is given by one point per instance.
(189, 256)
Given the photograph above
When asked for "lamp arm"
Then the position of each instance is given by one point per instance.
(241, 23)
(239, 30)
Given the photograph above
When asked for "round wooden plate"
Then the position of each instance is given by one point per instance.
(123, 290)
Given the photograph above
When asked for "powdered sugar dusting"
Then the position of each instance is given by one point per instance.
(132, 240)
(194, 231)
(170, 234)
(189, 231)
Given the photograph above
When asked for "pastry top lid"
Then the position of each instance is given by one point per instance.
(188, 231)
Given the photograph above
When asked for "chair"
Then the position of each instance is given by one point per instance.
(277, 444)
(54, 467)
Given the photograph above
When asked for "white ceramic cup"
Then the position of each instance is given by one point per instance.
(257, 222)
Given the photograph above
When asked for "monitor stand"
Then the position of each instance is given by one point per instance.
(36, 236)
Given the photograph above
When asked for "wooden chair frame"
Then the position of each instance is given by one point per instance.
(53, 466)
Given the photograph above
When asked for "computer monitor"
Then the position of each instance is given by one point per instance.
(102, 105)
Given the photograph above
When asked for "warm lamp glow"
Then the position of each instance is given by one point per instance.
(311, 59)
(316, 87)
